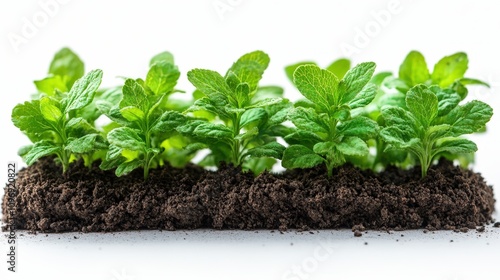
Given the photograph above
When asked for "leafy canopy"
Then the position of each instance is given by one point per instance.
(240, 120)
(143, 120)
(328, 133)
(54, 129)
(432, 123)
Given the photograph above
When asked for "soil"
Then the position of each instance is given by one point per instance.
(92, 200)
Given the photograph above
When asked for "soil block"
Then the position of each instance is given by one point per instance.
(92, 200)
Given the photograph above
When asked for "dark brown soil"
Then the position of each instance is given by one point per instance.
(94, 200)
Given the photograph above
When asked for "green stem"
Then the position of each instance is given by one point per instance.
(147, 158)
(64, 155)
(236, 143)
(332, 134)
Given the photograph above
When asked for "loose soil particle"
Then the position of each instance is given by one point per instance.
(92, 200)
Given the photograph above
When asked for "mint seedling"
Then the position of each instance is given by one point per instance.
(55, 129)
(432, 123)
(142, 117)
(327, 133)
(241, 121)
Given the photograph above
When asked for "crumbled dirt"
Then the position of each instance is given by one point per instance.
(91, 200)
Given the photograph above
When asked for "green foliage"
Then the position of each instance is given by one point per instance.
(239, 120)
(144, 121)
(448, 74)
(55, 129)
(432, 123)
(417, 116)
(327, 132)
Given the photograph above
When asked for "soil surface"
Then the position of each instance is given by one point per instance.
(91, 200)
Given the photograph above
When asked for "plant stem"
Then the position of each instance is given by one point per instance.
(236, 143)
(146, 155)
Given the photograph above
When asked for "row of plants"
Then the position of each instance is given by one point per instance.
(348, 114)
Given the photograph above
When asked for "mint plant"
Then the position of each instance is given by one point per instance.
(55, 129)
(242, 121)
(142, 118)
(328, 133)
(448, 74)
(432, 123)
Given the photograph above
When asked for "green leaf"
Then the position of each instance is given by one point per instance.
(77, 127)
(298, 156)
(364, 97)
(414, 69)
(258, 165)
(378, 79)
(339, 67)
(252, 115)
(307, 119)
(211, 106)
(29, 119)
(423, 104)
(342, 113)
(468, 118)
(272, 149)
(209, 82)
(132, 113)
(317, 85)
(162, 77)
(39, 150)
(396, 116)
(24, 150)
(396, 136)
(361, 127)
(324, 148)
(50, 110)
(449, 69)
(127, 167)
(126, 138)
(278, 113)
(168, 122)
(438, 131)
(456, 146)
(354, 81)
(85, 144)
(470, 81)
(290, 69)
(68, 65)
(134, 95)
(83, 91)
(242, 95)
(265, 102)
(163, 57)
(447, 99)
(353, 146)
(303, 137)
(250, 67)
(214, 131)
(50, 84)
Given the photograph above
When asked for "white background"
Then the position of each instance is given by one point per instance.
(121, 36)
